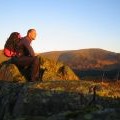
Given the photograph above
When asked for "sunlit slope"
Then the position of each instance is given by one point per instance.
(86, 58)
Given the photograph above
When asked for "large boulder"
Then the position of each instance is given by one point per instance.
(56, 70)
(31, 99)
(50, 70)
(9, 72)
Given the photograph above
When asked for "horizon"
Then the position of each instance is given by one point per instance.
(37, 52)
(64, 24)
(78, 50)
(73, 50)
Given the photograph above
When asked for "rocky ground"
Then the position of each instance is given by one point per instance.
(56, 100)
(59, 96)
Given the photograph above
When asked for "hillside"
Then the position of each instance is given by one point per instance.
(85, 58)
(2, 56)
(88, 60)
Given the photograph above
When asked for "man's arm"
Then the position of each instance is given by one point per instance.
(29, 48)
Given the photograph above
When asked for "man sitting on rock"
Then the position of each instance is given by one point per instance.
(26, 55)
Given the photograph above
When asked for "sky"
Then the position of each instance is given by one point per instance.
(63, 24)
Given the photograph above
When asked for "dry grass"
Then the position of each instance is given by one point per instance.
(106, 89)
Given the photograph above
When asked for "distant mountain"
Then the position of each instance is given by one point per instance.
(88, 60)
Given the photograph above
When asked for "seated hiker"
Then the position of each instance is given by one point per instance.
(25, 56)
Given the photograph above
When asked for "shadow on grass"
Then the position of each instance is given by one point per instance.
(40, 99)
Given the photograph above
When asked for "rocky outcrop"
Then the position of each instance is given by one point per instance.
(19, 100)
(52, 100)
(60, 96)
(56, 70)
(50, 70)
(9, 72)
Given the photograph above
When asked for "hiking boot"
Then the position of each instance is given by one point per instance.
(39, 79)
(42, 70)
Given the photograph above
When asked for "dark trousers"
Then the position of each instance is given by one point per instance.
(32, 63)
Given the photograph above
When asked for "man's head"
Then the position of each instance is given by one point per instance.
(31, 34)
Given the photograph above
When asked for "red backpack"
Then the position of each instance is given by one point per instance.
(11, 45)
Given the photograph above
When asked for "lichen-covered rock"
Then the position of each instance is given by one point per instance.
(56, 70)
(9, 72)
(38, 101)
(19, 100)
(49, 70)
